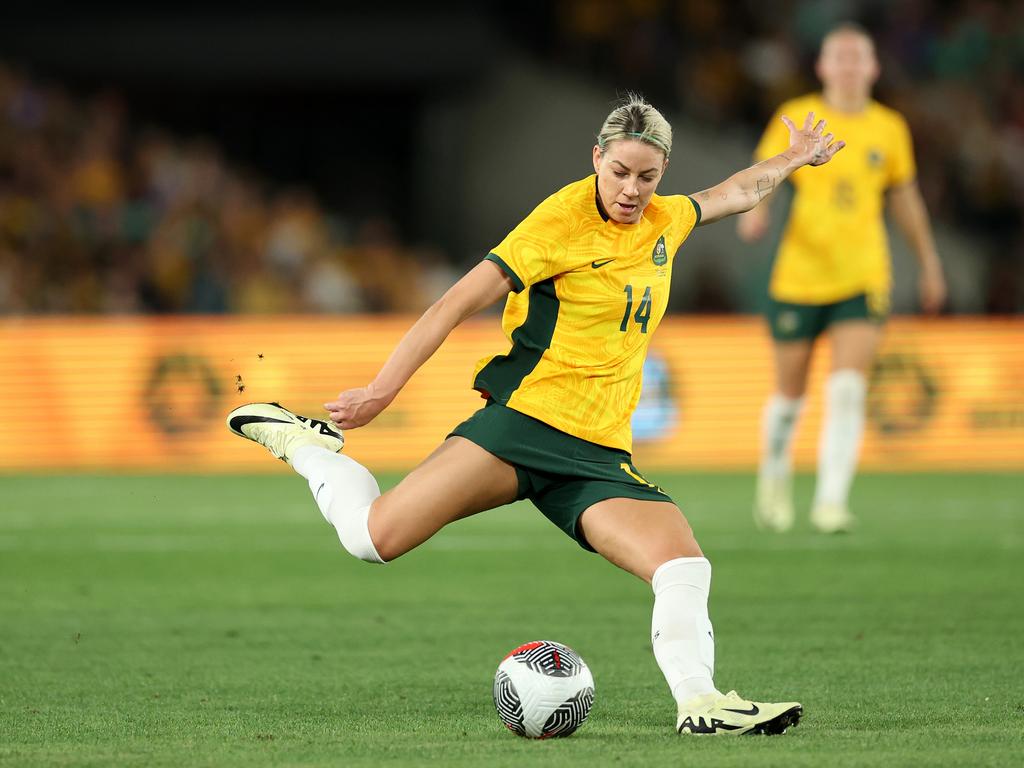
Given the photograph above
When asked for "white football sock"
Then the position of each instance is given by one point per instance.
(684, 643)
(778, 422)
(840, 436)
(344, 490)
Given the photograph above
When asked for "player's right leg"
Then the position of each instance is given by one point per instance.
(653, 540)
(855, 342)
(457, 480)
(773, 506)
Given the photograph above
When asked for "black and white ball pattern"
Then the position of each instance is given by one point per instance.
(543, 690)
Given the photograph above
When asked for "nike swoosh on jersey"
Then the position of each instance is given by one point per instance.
(599, 264)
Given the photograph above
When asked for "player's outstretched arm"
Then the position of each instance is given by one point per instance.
(742, 191)
(480, 287)
(754, 224)
(911, 216)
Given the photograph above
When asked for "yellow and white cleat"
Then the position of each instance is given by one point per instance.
(773, 507)
(280, 431)
(715, 714)
(832, 518)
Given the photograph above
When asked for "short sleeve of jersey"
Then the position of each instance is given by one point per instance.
(902, 167)
(685, 214)
(537, 248)
(775, 138)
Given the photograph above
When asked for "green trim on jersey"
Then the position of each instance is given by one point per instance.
(503, 375)
(507, 270)
(696, 207)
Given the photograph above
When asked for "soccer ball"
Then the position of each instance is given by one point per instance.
(542, 690)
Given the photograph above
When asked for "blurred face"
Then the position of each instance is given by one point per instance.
(628, 172)
(847, 64)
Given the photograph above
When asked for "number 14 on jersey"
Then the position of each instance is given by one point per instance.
(643, 312)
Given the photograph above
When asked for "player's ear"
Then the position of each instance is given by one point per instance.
(597, 158)
(876, 70)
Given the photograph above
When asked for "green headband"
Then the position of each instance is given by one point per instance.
(642, 136)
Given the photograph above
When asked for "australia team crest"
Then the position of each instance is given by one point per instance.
(660, 254)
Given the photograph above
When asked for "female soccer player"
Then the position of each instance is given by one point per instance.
(588, 272)
(832, 272)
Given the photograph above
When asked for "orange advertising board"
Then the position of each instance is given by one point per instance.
(150, 394)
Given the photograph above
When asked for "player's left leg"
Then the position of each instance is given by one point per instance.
(654, 541)
(457, 480)
(854, 346)
(773, 503)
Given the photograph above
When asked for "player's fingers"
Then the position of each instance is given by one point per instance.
(827, 139)
(808, 121)
(836, 147)
(351, 422)
(789, 123)
(819, 127)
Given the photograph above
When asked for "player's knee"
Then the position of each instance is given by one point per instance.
(847, 388)
(792, 388)
(386, 544)
(388, 538)
(670, 550)
(354, 534)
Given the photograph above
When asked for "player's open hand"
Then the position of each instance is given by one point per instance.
(356, 407)
(810, 145)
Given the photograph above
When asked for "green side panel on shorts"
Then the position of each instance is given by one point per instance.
(503, 375)
(516, 280)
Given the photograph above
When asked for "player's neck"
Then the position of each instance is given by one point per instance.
(848, 103)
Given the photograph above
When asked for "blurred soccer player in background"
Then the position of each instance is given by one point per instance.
(832, 273)
(585, 279)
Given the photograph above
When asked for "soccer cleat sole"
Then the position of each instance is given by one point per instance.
(778, 724)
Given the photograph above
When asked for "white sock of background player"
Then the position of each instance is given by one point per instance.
(778, 422)
(344, 490)
(681, 633)
(840, 436)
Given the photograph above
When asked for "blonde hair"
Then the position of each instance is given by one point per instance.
(635, 119)
(847, 28)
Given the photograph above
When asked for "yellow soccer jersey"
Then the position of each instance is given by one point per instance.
(589, 294)
(835, 244)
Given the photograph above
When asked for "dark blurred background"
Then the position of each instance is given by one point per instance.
(274, 158)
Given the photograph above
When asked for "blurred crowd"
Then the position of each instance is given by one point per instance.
(954, 68)
(98, 214)
(98, 217)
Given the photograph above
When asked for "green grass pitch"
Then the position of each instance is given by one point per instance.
(170, 621)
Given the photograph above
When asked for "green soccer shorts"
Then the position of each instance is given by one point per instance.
(795, 322)
(562, 475)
